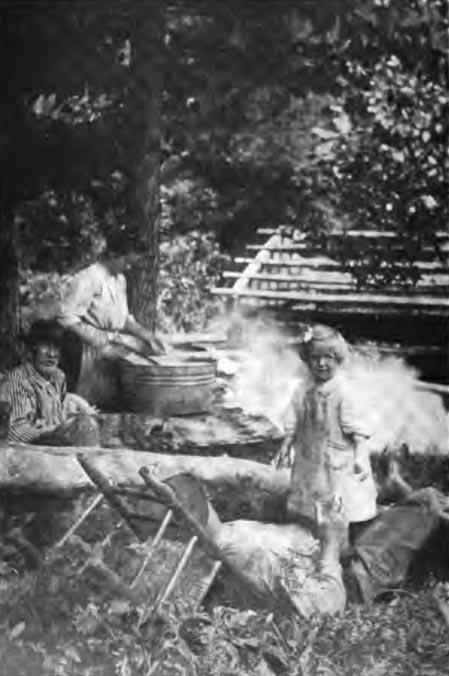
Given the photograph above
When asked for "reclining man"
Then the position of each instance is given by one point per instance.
(42, 411)
(284, 563)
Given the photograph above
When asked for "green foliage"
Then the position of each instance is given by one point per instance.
(320, 115)
(190, 265)
(54, 623)
(384, 153)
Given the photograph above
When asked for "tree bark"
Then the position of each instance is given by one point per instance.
(11, 117)
(145, 122)
(9, 298)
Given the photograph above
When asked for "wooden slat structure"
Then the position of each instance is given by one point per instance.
(290, 271)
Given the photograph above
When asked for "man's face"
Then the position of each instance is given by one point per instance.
(46, 356)
(323, 365)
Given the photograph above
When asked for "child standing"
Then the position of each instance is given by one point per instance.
(330, 443)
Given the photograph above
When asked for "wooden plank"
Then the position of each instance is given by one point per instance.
(437, 388)
(383, 234)
(357, 298)
(426, 253)
(300, 262)
(326, 263)
(294, 280)
(354, 233)
(286, 248)
(255, 264)
(331, 284)
(355, 310)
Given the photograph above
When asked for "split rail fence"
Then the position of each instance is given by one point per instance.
(288, 270)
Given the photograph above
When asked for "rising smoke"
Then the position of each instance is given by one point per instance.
(268, 370)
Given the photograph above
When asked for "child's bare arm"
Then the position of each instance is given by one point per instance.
(282, 454)
(290, 425)
(361, 456)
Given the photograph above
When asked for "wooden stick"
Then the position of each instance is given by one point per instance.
(205, 584)
(165, 593)
(152, 548)
(93, 505)
(168, 496)
(178, 570)
(255, 265)
(108, 491)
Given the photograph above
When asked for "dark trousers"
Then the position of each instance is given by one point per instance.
(384, 548)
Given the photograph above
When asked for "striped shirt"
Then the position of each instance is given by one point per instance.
(35, 401)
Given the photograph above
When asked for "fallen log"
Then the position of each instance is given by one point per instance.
(238, 488)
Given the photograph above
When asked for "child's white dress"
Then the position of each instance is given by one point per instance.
(324, 424)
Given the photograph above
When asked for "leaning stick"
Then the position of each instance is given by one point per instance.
(93, 505)
(163, 596)
(157, 538)
(169, 497)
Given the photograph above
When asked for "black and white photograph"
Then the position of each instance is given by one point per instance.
(224, 345)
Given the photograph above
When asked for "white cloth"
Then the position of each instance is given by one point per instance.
(96, 297)
(284, 554)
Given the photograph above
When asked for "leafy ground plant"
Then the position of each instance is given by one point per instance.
(56, 623)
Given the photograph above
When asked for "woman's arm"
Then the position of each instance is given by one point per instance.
(135, 329)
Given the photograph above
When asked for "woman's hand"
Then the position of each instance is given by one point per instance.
(135, 329)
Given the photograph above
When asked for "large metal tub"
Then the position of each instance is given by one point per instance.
(172, 385)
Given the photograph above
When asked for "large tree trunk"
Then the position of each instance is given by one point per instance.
(145, 110)
(238, 488)
(10, 153)
(9, 298)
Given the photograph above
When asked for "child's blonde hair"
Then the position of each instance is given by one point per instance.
(324, 339)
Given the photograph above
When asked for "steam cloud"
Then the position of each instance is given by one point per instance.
(268, 370)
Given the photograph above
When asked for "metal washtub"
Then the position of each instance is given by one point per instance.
(172, 385)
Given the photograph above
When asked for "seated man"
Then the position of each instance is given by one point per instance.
(42, 412)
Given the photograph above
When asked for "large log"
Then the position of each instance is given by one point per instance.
(238, 488)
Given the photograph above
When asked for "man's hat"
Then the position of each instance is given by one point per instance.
(44, 331)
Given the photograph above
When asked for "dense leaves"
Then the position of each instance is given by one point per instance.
(319, 115)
